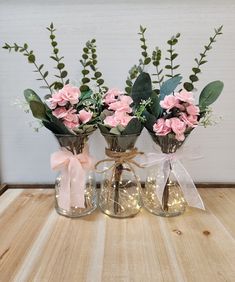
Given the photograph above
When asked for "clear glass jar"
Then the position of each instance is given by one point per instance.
(77, 145)
(120, 187)
(173, 202)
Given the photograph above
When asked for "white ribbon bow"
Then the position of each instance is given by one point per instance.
(170, 163)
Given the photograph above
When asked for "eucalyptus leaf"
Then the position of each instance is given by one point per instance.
(142, 88)
(115, 131)
(103, 128)
(30, 96)
(149, 120)
(155, 105)
(38, 110)
(133, 127)
(210, 93)
(169, 86)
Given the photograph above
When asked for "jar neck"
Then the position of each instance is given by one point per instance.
(120, 143)
(74, 144)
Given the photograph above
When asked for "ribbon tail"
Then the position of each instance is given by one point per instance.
(161, 179)
(77, 184)
(64, 195)
(187, 185)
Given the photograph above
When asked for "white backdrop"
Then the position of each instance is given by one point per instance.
(25, 155)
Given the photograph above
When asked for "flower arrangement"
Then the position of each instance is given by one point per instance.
(120, 114)
(171, 111)
(67, 109)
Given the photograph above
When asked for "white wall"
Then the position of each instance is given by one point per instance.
(25, 155)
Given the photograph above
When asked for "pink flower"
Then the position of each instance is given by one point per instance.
(112, 95)
(160, 127)
(185, 96)
(178, 127)
(169, 102)
(69, 117)
(118, 118)
(67, 94)
(56, 100)
(126, 99)
(70, 94)
(120, 106)
(189, 120)
(84, 116)
(71, 120)
(60, 112)
(193, 110)
(111, 121)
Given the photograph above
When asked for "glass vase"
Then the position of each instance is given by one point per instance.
(173, 202)
(120, 187)
(77, 145)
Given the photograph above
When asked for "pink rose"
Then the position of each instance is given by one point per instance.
(123, 118)
(178, 127)
(112, 95)
(189, 120)
(185, 96)
(56, 100)
(120, 106)
(160, 127)
(126, 99)
(60, 112)
(70, 94)
(169, 102)
(69, 117)
(111, 121)
(118, 118)
(84, 116)
(193, 110)
(71, 120)
(67, 94)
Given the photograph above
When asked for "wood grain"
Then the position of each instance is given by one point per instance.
(39, 245)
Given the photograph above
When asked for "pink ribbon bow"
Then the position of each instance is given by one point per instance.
(73, 176)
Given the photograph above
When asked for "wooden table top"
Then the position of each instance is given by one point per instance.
(36, 244)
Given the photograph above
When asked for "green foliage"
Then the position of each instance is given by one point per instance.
(133, 73)
(36, 105)
(56, 126)
(133, 127)
(31, 58)
(189, 86)
(155, 107)
(156, 59)
(142, 88)
(172, 56)
(146, 58)
(150, 119)
(59, 64)
(210, 94)
(89, 62)
(140, 108)
(169, 86)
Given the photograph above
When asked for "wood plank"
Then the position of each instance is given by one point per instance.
(204, 249)
(39, 245)
(221, 203)
(20, 224)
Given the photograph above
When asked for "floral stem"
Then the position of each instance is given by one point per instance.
(117, 177)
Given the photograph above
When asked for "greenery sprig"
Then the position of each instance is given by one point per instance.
(144, 53)
(60, 65)
(156, 59)
(89, 61)
(133, 73)
(172, 56)
(32, 60)
(201, 60)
